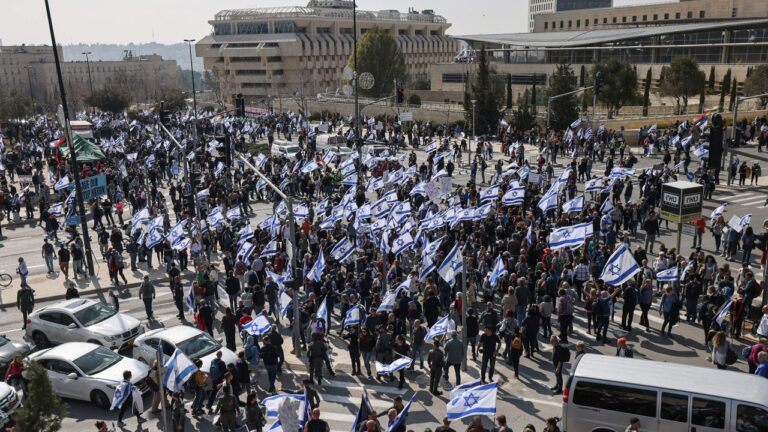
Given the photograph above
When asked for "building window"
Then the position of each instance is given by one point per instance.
(595, 21)
(690, 14)
(561, 25)
(345, 31)
(252, 28)
(323, 30)
(615, 20)
(623, 19)
(666, 16)
(702, 14)
(569, 24)
(578, 23)
(655, 17)
(634, 18)
(586, 23)
(554, 25)
(734, 12)
(453, 78)
(285, 27)
(677, 15)
(546, 25)
(274, 59)
(645, 18)
(434, 33)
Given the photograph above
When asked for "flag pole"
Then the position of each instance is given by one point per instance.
(464, 306)
(160, 384)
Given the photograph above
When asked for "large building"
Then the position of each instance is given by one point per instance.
(31, 71)
(287, 51)
(538, 7)
(679, 12)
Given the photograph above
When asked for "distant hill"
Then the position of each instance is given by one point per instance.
(178, 52)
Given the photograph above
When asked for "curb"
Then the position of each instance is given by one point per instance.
(99, 290)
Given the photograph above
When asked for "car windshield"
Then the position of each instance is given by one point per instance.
(3, 340)
(198, 346)
(95, 314)
(292, 149)
(97, 360)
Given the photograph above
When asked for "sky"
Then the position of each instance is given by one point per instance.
(171, 21)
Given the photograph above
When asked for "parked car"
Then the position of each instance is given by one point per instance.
(9, 350)
(286, 149)
(82, 320)
(89, 372)
(194, 343)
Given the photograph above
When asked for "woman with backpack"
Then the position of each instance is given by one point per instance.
(669, 307)
(722, 352)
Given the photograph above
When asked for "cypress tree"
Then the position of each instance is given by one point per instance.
(43, 410)
(647, 92)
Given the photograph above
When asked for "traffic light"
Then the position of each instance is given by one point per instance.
(400, 93)
(598, 83)
(239, 105)
(165, 116)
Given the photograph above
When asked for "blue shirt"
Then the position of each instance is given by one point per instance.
(762, 369)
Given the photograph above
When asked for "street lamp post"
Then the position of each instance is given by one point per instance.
(354, 65)
(194, 93)
(474, 136)
(72, 153)
(88, 66)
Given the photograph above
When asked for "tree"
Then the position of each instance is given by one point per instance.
(522, 117)
(583, 76)
(173, 100)
(43, 410)
(734, 90)
(488, 96)
(108, 99)
(378, 54)
(509, 91)
(711, 81)
(682, 80)
(14, 106)
(619, 84)
(468, 113)
(757, 83)
(563, 110)
(534, 100)
(647, 91)
(725, 87)
(702, 98)
(211, 81)
(414, 100)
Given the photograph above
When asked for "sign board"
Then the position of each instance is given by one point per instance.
(446, 186)
(323, 128)
(681, 201)
(406, 116)
(93, 187)
(24, 179)
(534, 178)
(73, 220)
(735, 223)
(432, 191)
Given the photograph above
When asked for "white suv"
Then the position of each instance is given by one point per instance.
(82, 320)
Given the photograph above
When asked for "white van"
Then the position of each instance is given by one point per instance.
(285, 148)
(603, 393)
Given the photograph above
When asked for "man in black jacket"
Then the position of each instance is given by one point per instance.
(436, 362)
(631, 297)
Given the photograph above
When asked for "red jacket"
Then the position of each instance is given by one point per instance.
(14, 369)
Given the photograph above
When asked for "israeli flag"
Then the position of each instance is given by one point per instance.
(575, 205)
(419, 189)
(594, 185)
(483, 211)
(668, 275)
(399, 364)
(401, 418)
(269, 250)
(56, 209)
(391, 196)
(652, 129)
(720, 317)
(285, 302)
(354, 316)
(490, 194)
(571, 236)
(219, 169)
(745, 221)
(607, 206)
(140, 216)
(272, 403)
(322, 311)
(258, 326)
(348, 170)
(480, 400)
(316, 273)
(431, 248)
(452, 265)
(154, 238)
(549, 200)
(576, 123)
(234, 213)
(497, 272)
(309, 167)
(178, 370)
(261, 184)
(459, 390)
(63, 183)
(122, 393)
(215, 218)
(685, 142)
(701, 152)
(176, 232)
(388, 302)
(181, 244)
(246, 250)
(150, 161)
(441, 327)
(343, 250)
(350, 181)
(619, 172)
(431, 147)
(427, 267)
(189, 299)
(679, 166)
(402, 243)
(529, 238)
(203, 194)
(375, 184)
(718, 211)
(620, 267)
(515, 196)
(328, 157)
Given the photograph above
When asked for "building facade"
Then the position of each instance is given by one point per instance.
(31, 71)
(291, 51)
(538, 7)
(680, 12)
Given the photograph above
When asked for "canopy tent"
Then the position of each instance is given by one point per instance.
(85, 150)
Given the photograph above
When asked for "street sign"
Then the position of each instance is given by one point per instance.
(406, 116)
(93, 187)
(73, 220)
(681, 201)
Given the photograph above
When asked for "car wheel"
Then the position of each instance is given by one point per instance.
(100, 399)
(95, 342)
(40, 339)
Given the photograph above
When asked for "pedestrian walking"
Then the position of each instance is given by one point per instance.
(560, 356)
(23, 272)
(64, 256)
(490, 344)
(49, 254)
(25, 303)
(147, 295)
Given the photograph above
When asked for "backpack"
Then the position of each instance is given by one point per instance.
(517, 343)
(745, 352)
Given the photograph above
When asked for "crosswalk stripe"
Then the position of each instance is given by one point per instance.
(754, 203)
(354, 400)
(748, 197)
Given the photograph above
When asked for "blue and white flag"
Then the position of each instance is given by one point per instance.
(245, 251)
(399, 364)
(189, 299)
(701, 152)
(514, 196)
(459, 390)
(718, 211)
(350, 181)
(309, 167)
(576, 123)
(620, 267)
(483, 211)
(607, 206)
(63, 183)
(549, 200)
(322, 311)
(431, 147)
(685, 142)
(203, 194)
(571, 236)
(529, 238)
(354, 316)
(269, 250)
(431, 248)
(380, 208)
(490, 194)
(452, 265)
(284, 301)
(258, 326)
(594, 185)
(441, 327)
(745, 221)
(720, 317)
(215, 218)
(652, 129)
(480, 400)
(679, 166)
(388, 302)
(234, 213)
(56, 209)
(621, 173)
(219, 169)
(497, 272)
(154, 238)
(427, 267)
(575, 205)
(668, 275)
(343, 250)
(272, 403)
(401, 418)
(122, 393)
(181, 244)
(402, 243)
(316, 273)
(178, 370)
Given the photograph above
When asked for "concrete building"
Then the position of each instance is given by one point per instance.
(31, 71)
(538, 7)
(679, 12)
(263, 53)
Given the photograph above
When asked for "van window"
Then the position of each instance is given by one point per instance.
(751, 419)
(708, 413)
(674, 407)
(615, 398)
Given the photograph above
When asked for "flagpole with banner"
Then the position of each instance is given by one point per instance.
(464, 306)
(163, 403)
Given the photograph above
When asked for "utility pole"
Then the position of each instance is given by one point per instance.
(192, 75)
(464, 307)
(354, 65)
(70, 145)
(88, 65)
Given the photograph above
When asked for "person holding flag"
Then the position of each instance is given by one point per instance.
(123, 399)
